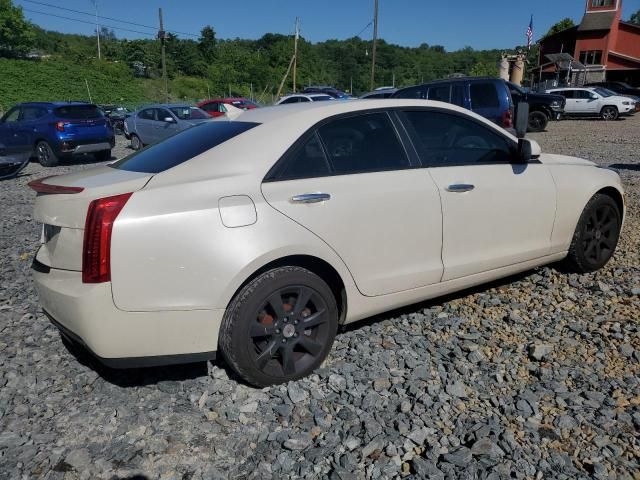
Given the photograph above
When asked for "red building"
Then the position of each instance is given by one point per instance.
(602, 47)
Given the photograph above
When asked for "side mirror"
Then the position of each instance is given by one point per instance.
(528, 150)
(522, 119)
(169, 119)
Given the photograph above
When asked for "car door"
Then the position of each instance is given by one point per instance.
(591, 102)
(163, 128)
(576, 103)
(495, 213)
(144, 125)
(351, 183)
(10, 139)
(31, 125)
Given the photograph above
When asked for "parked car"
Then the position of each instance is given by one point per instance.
(154, 123)
(380, 93)
(53, 131)
(216, 107)
(116, 115)
(488, 97)
(304, 98)
(334, 92)
(621, 88)
(13, 158)
(594, 102)
(542, 106)
(205, 242)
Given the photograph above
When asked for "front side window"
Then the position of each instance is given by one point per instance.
(418, 91)
(440, 93)
(12, 115)
(210, 107)
(445, 140)
(363, 143)
(484, 95)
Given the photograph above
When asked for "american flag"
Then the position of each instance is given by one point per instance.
(530, 33)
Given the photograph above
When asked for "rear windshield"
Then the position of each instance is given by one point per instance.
(181, 147)
(79, 112)
(322, 98)
(244, 104)
(189, 113)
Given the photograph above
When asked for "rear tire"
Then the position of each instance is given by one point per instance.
(596, 235)
(136, 143)
(279, 327)
(103, 156)
(45, 154)
(609, 113)
(538, 121)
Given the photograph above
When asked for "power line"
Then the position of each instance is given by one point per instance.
(107, 18)
(88, 22)
(367, 26)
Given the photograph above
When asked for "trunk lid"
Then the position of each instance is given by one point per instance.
(63, 215)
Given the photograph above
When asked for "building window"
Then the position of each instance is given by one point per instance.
(601, 3)
(591, 57)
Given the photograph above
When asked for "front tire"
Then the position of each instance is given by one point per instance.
(279, 327)
(596, 235)
(45, 154)
(609, 113)
(538, 121)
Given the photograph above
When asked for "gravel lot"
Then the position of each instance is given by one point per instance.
(533, 377)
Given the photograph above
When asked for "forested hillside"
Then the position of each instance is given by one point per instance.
(209, 66)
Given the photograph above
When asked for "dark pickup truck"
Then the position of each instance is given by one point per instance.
(542, 106)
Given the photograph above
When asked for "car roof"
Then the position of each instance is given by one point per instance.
(279, 127)
(56, 104)
(167, 105)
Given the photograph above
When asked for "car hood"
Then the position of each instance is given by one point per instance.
(554, 159)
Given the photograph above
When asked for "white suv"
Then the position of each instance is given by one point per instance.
(595, 102)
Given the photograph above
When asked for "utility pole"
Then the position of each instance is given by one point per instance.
(162, 35)
(375, 40)
(295, 53)
(95, 4)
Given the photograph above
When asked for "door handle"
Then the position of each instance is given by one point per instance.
(311, 198)
(460, 188)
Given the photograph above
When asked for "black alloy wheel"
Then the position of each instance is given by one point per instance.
(46, 155)
(538, 121)
(279, 327)
(289, 331)
(596, 236)
(600, 234)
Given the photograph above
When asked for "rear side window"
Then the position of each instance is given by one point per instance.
(79, 112)
(306, 161)
(484, 95)
(181, 147)
(364, 143)
(457, 95)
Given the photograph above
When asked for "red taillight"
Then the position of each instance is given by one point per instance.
(96, 252)
(40, 187)
(507, 119)
(60, 126)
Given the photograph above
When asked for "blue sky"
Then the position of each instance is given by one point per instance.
(452, 23)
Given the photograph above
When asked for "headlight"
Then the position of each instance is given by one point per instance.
(555, 103)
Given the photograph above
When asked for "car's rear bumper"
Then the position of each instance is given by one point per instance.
(86, 314)
(79, 147)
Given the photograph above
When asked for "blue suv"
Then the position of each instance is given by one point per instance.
(52, 131)
(489, 97)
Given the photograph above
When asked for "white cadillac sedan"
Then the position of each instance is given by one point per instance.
(259, 236)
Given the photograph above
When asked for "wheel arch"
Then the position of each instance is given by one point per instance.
(314, 264)
(617, 197)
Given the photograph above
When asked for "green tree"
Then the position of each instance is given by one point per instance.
(560, 26)
(635, 18)
(16, 34)
(207, 43)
